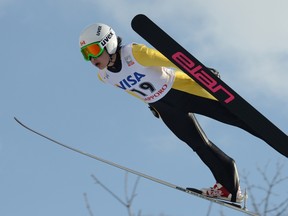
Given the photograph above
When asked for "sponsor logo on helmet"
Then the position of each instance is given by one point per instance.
(99, 30)
(106, 39)
(82, 43)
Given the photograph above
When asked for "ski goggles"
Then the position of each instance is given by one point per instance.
(92, 50)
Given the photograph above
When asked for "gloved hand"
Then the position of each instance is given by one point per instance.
(154, 112)
(215, 72)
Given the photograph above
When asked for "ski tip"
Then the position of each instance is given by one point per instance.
(139, 16)
(136, 21)
(18, 121)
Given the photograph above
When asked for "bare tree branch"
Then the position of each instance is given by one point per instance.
(209, 208)
(129, 199)
(87, 204)
(133, 194)
(97, 181)
(268, 208)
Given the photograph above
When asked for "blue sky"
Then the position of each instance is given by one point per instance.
(46, 84)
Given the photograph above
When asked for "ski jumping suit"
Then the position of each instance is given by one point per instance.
(151, 77)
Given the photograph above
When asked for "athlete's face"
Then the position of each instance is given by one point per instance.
(101, 61)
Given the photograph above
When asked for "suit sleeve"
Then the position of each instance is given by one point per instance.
(149, 57)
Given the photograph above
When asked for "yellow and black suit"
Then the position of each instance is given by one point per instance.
(174, 95)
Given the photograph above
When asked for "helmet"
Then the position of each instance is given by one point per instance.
(102, 33)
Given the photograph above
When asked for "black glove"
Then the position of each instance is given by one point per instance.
(154, 112)
(215, 72)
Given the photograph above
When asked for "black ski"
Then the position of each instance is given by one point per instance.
(159, 39)
(165, 183)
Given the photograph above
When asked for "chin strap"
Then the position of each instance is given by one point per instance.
(116, 64)
(110, 60)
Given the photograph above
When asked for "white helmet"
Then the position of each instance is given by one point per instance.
(102, 33)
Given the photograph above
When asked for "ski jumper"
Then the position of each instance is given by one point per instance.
(148, 75)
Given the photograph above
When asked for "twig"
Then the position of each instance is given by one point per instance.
(108, 190)
(129, 200)
(87, 204)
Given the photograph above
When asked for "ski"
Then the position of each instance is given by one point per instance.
(190, 191)
(165, 44)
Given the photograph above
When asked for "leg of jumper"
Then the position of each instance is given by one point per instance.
(235, 185)
(182, 125)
